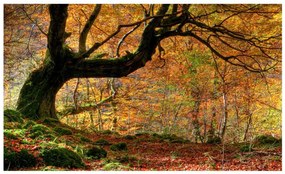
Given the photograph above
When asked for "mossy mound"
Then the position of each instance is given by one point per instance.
(130, 137)
(62, 131)
(14, 160)
(50, 121)
(214, 140)
(29, 124)
(84, 139)
(96, 153)
(246, 148)
(14, 133)
(13, 116)
(12, 125)
(62, 157)
(40, 131)
(119, 147)
(114, 166)
(266, 139)
(172, 138)
(102, 142)
(125, 159)
(106, 132)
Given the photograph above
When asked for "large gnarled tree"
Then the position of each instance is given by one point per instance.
(255, 51)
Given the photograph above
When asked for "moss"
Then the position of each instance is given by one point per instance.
(14, 133)
(29, 124)
(214, 140)
(246, 148)
(125, 159)
(106, 132)
(63, 131)
(13, 116)
(39, 131)
(12, 125)
(102, 142)
(84, 139)
(96, 153)
(129, 137)
(119, 147)
(40, 128)
(114, 166)
(9, 135)
(14, 160)
(266, 139)
(50, 121)
(62, 157)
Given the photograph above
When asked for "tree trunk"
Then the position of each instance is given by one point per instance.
(37, 96)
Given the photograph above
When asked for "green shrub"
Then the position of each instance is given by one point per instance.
(96, 153)
(266, 139)
(119, 147)
(63, 131)
(13, 116)
(14, 160)
(62, 157)
(214, 140)
(114, 166)
(102, 142)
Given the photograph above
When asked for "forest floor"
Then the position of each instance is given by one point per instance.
(144, 152)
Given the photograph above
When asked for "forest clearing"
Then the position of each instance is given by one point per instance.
(142, 87)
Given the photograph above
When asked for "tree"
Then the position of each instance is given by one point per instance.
(226, 30)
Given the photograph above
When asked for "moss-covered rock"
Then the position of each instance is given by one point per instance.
(62, 157)
(13, 116)
(96, 153)
(14, 160)
(119, 147)
(114, 166)
(102, 142)
(62, 131)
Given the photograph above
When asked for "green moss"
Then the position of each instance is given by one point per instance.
(39, 131)
(40, 128)
(125, 159)
(84, 139)
(63, 131)
(14, 160)
(51, 121)
(114, 166)
(107, 132)
(102, 142)
(96, 153)
(13, 116)
(119, 147)
(266, 139)
(12, 125)
(9, 135)
(214, 140)
(62, 157)
(129, 137)
(14, 133)
(29, 124)
(246, 148)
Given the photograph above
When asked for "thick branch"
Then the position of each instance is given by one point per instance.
(58, 15)
(87, 27)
